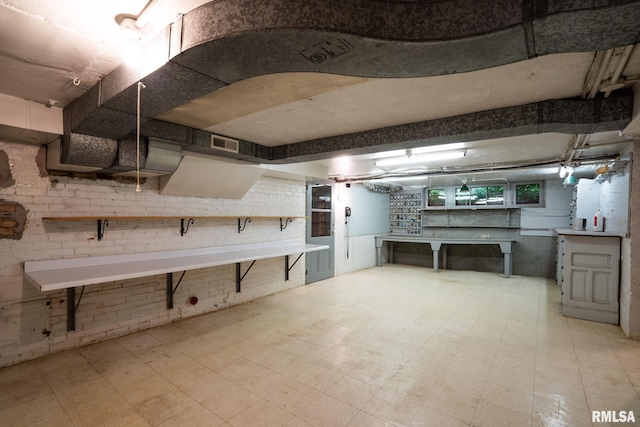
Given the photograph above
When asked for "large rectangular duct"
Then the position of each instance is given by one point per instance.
(87, 150)
(156, 157)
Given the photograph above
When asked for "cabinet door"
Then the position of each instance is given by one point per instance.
(590, 277)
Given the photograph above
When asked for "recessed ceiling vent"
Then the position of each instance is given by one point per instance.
(219, 142)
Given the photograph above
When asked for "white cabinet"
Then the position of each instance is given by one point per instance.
(590, 276)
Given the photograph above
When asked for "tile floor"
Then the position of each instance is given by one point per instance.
(390, 346)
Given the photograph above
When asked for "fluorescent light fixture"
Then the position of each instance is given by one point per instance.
(424, 158)
(440, 147)
(402, 178)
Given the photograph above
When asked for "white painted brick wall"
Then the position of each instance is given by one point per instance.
(117, 308)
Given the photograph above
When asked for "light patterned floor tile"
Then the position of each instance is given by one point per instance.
(352, 391)
(393, 345)
(392, 408)
(261, 413)
(327, 411)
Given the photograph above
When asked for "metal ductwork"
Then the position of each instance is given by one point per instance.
(126, 159)
(86, 150)
(162, 157)
(226, 41)
(85, 153)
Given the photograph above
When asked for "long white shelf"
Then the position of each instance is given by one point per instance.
(68, 273)
(50, 275)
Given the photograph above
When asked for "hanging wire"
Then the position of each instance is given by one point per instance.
(140, 87)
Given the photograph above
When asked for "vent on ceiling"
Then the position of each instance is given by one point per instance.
(223, 143)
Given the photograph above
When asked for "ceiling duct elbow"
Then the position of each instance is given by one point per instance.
(162, 157)
(156, 158)
(126, 158)
(86, 150)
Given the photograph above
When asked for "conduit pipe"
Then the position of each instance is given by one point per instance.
(595, 86)
(579, 142)
(622, 62)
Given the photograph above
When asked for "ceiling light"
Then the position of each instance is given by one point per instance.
(410, 158)
(132, 57)
(570, 179)
(132, 35)
(129, 29)
(440, 147)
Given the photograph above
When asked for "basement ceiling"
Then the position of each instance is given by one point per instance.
(523, 85)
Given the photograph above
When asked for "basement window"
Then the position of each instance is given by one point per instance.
(481, 196)
(437, 197)
(528, 194)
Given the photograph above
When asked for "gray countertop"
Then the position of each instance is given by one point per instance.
(571, 232)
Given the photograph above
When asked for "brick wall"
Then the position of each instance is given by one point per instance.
(33, 323)
(12, 220)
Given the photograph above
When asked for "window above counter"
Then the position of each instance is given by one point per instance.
(483, 196)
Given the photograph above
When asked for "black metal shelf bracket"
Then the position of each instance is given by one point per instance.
(283, 226)
(72, 307)
(171, 290)
(243, 226)
(287, 267)
(102, 226)
(184, 230)
(240, 276)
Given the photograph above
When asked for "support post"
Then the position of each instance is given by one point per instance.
(71, 309)
(102, 228)
(287, 267)
(238, 278)
(392, 252)
(379, 243)
(507, 251)
(435, 247)
(169, 291)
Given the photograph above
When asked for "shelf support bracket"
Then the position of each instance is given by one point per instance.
(287, 267)
(184, 230)
(171, 290)
(240, 276)
(72, 307)
(243, 226)
(102, 228)
(283, 226)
